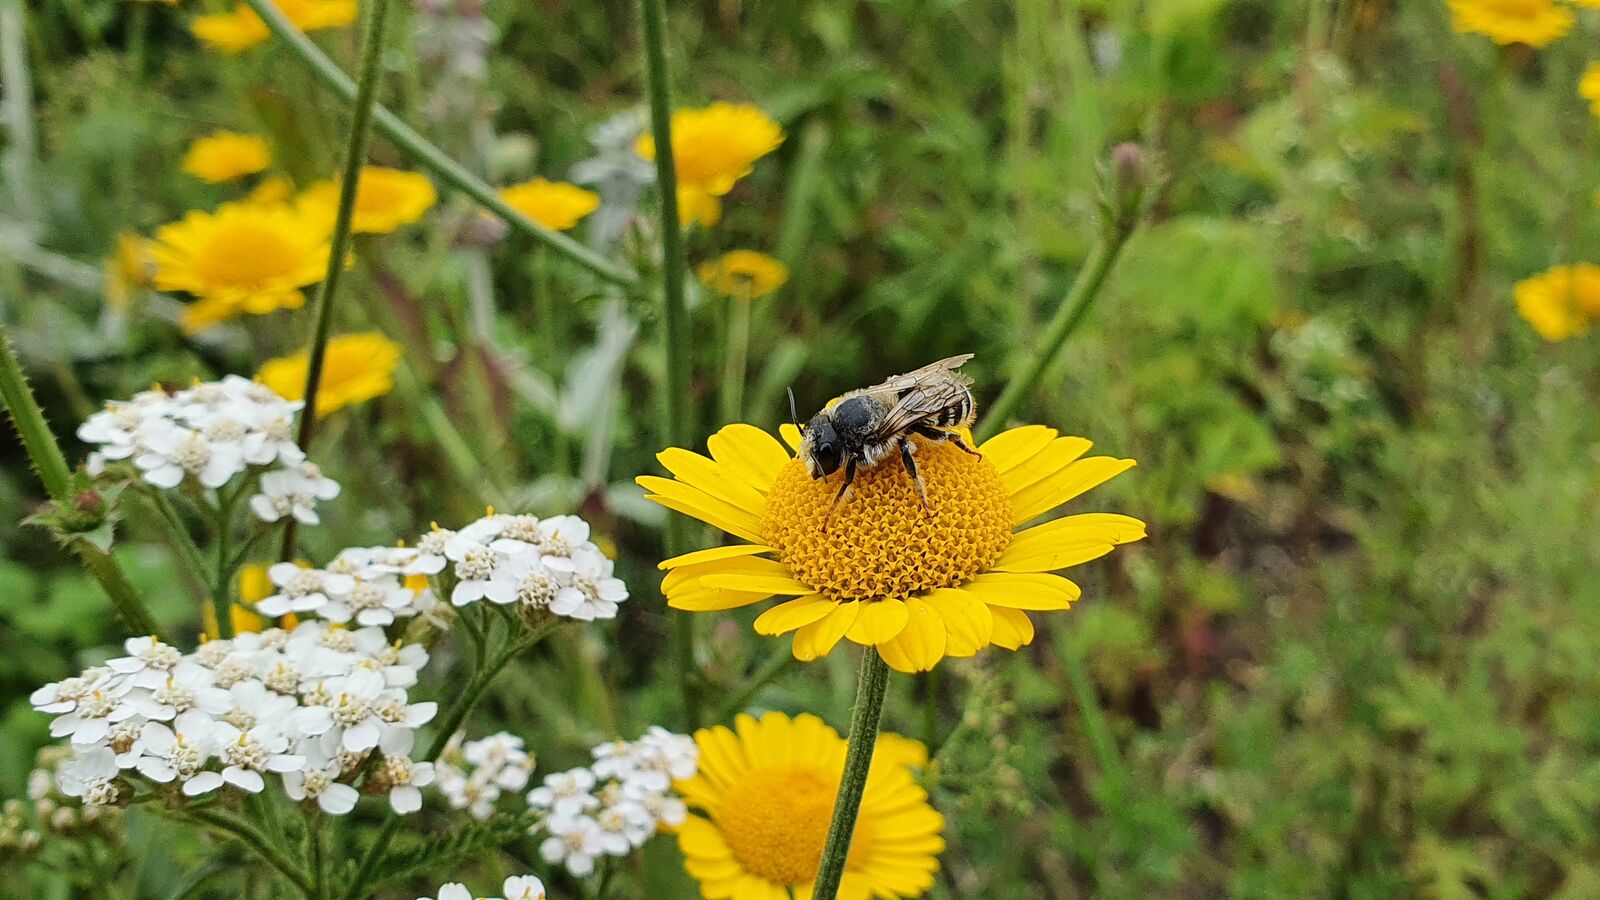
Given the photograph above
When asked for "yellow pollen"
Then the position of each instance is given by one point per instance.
(775, 821)
(881, 542)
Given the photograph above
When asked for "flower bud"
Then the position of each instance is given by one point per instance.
(1129, 178)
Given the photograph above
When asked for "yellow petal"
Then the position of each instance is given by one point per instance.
(767, 584)
(918, 646)
(879, 621)
(1008, 448)
(1068, 541)
(1043, 496)
(1055, 456)
(695, 573)
(967, 621)
(712, 477)
(791, 435)
(754, 454)
(699, 837)
(815, 640)
(1012, 628)
(1019, 590)
(694, 502)
(792, 614)
(714, 554)
(700, 599)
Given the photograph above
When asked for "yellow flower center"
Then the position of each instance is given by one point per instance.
(881, 541)
(775, 821)
(246, 253)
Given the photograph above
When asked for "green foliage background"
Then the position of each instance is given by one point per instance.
(1359, 655)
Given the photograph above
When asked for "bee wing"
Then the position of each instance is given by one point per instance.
(923, 404)
(934, 371)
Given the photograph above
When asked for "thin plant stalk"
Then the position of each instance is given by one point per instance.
(429, 156)
(51, 465)
(737, 362)
(349, 184)
(675, 407)
(870, 690)
(1066, 320)
(451, 722)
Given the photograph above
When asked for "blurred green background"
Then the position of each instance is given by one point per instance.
(1359, 655)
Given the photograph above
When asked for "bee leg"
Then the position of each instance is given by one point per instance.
(849, 480)
(916, 477)
(954, 437)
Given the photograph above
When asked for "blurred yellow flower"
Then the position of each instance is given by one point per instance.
(1560, 303)
(386, 199)
(919, 583)
(244, 258)
(1589, 87)
(715, 146)
(276, 189)
(744, 274)
(554, 204)
(357, 368)
(127, 269)
(226, 155)
(762, 802)
(698, 207)
(254, 586)
(239, 29)
(1532, 22)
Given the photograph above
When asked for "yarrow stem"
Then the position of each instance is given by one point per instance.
(349, 184)
(429, 156)
(675, 406)
(51, 465)
(449, 724)
(870, 690)
(253, 840)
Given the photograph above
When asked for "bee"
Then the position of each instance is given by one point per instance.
(869, 425)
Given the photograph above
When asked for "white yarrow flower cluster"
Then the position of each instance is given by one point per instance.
(309, 705)
(364, 585)
(610, 808)
(517, 887)
(473, 775)
(208, 434)
(538, 564)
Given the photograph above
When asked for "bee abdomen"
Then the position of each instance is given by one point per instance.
(956, 414)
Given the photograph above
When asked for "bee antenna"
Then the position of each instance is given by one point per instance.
(794, 414)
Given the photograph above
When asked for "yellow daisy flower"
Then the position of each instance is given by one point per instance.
(698, 207)
(357, 368)
(1560, 303)
(762, 802)
(225, 156)
(715, 146)
(386, 199)
(239, 29)
(1589, 87)
(245, 257)
(919, 584)
(744, 274)
(1532, 22)
(127, 269)
(554, 204)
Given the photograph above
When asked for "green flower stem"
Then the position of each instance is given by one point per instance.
(222, 588)
(429, 156)
(676, 422)
(464, 703)
(253, 840)
(339, 250)
(737, 361)
(1068, 316)
(770, 671)
(51, 465)
(179, 533)
(870, 691)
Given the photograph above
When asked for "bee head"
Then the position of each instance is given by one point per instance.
(821, 448)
